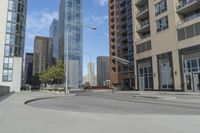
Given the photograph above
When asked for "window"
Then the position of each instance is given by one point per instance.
(197, 29)
(143, 47)
(18, 51)
(7, 75)
(9, 51)
(145, 75)
(10, 39)
(192, 65)
(165, 72)
(162, 24)
(188, 32)
(11, 28)
(160, 7)
(12, 16)
(181, 34)
(12, 6)
(191, 15)
(8, 63)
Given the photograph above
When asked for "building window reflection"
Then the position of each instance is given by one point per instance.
(14, 38)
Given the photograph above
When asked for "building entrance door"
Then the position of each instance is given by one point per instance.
(197, 82)
(189, 82)
(142, 84)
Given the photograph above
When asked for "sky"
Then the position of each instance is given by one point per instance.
(95, 13)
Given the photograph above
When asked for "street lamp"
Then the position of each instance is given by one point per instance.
(69, 27)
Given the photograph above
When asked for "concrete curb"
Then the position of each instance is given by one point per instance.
(155, 97)
(44, 98)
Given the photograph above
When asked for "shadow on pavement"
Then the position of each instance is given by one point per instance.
(5, 97)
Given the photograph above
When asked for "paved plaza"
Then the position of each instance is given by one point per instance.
(100, 112)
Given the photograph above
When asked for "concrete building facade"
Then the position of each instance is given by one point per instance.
(121, 43)
(41, 54)
(167, 44)
(28, 73)
(12, 34)
(71, 39)
(102, 70)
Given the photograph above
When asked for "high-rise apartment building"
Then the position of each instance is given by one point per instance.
(54, 41)
(41, 54)
(28, 73)
(121, 43)
(102, 69)
(91, 73)
(71, 39)
(167, 44)
(12, 34)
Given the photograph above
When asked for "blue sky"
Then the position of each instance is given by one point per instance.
(95, 43)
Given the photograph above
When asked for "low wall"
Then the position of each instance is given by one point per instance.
(4, 90)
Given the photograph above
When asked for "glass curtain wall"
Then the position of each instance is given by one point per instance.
(15, 34)
(74, 37)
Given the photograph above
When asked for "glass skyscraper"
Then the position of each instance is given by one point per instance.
(71, 40)
(53, 34)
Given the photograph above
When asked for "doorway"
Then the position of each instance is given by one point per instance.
(145, 76)
(188, 83)
(192, 82)
(197, 82)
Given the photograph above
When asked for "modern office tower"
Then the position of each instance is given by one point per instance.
(121, 43)
(28, 67)
(91, 73)
(71, 39)
(167, 44)
(54, 41)
(41, 54)
(102, 69)
(12, 34)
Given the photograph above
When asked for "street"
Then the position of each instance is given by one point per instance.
(99, 112)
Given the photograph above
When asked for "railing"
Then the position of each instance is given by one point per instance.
(143, 24)
(142, 10)
(137, 1)
(138, 40)
(4, 90)
(194, 16)
(183, 3)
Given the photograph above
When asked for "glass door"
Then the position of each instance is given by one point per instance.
(189, 82)
(142, 83)
(197, 82)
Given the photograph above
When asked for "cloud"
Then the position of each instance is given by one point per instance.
(96, 20)
(38, 23)
(102, 2)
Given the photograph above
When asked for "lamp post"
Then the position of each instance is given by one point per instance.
(67, 52)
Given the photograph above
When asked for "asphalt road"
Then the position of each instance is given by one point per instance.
(121, 103)
(96, 113)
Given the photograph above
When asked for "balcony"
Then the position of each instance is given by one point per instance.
(141, 2)
(143, 13)
(143, 26)
(143, 39)
(193, 17)
(185, 6)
